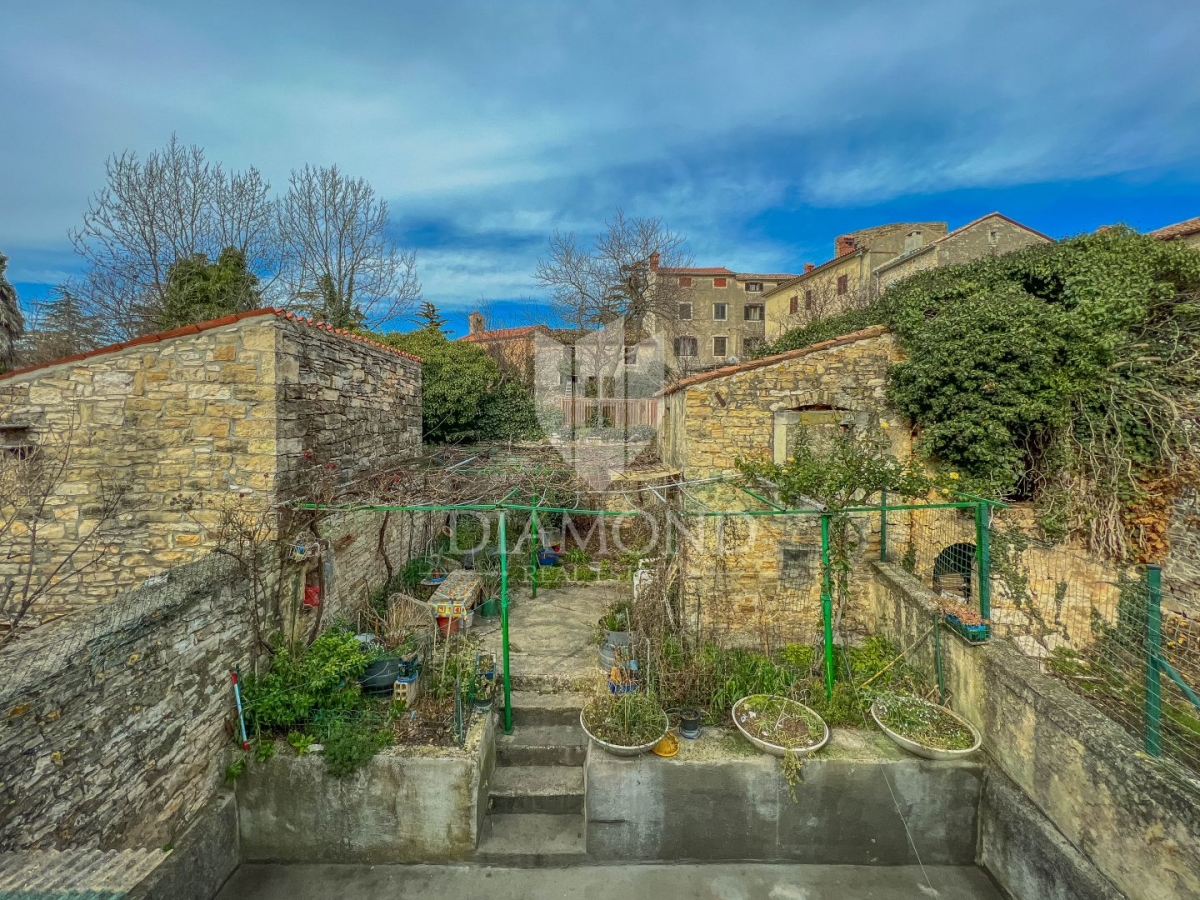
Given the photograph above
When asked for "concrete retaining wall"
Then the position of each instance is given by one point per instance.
(1121, 819)
(740, 809)
(201, 860)
(397, 809)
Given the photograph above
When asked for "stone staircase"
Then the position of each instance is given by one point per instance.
(535, 810)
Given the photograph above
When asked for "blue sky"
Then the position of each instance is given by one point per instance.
(760, 130)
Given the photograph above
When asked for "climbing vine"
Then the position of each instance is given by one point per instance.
(1064, 373)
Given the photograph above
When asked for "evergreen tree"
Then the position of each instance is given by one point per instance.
(198, 290)
(429, 317)
(12, 323)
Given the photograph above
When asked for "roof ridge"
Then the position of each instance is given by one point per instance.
(207, 325)
(841, 340)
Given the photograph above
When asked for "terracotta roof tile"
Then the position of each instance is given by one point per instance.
(718, 271)
(724, 371)
(503, 334)
(1179, 229)
(160, 336)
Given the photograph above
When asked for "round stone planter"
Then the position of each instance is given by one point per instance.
(775, 749)
(930, 752)
(617, 749)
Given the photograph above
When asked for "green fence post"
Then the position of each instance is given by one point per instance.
(983, 553)
(827, 605)
(937, 656)
(1153, 652)
(533, 572)
(504, 624)
(883, 548)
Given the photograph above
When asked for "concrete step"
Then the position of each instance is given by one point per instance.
(111, 873)
(530, 708)
(533, 840)
(542, 745)
(554, 790)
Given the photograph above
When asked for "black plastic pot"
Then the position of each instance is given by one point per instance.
(380, 675)
(689, 723)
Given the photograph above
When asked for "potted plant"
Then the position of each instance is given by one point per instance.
(966, 622)
(924, 728)
(777, 725)
(615, 624)
(484, 691)
(624, 724)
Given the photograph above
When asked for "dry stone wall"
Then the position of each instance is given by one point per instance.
(247, 410)
(116, 724)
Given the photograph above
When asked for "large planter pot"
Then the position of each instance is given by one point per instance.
(930, 752)
(380, 675)
(617, 749)
(775, 749)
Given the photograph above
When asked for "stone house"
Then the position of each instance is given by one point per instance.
(513, 349)
(721, 314)
(845, 281)
(1187, 231)
(250, 409)
(990, 235)
(766, 569)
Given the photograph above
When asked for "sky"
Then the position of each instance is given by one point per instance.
(759, 130)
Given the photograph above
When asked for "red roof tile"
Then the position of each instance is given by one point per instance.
(1179, 229)
(700, 378)
(157, 337)
(503, 334)
(746, 276)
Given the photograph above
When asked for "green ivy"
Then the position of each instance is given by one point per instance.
(1056, 371)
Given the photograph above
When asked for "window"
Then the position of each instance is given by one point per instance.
(720, 282)
(794, 305)
(685, 346)
(720, 312)
(993, 237)
(750, 344)
(631, 355)
(685, 310)
(753, 312)
(753, 287)
(843, 284)
(720, 346)
(809, 302)
(685, 280)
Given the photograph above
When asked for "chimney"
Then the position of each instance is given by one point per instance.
(808, 267)
(654, 260)
(843, 245)
(475, 323)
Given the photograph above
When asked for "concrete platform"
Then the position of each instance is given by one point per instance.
(551, 638)
(621, 882)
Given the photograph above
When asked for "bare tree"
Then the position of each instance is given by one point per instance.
(153, 213)
(341, 264)
(12, 324)
(44, 559)
(616, 274)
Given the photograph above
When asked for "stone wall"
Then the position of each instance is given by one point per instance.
(193, 414)
(350, 403)
(709, 424)
(990, 236)
(115, 722)
(246, 408)
(1127, 820)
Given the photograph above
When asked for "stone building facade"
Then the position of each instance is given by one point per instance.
(721, 315)
(844, 282)
(991, 235)
(253, 406)
(761, 575)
